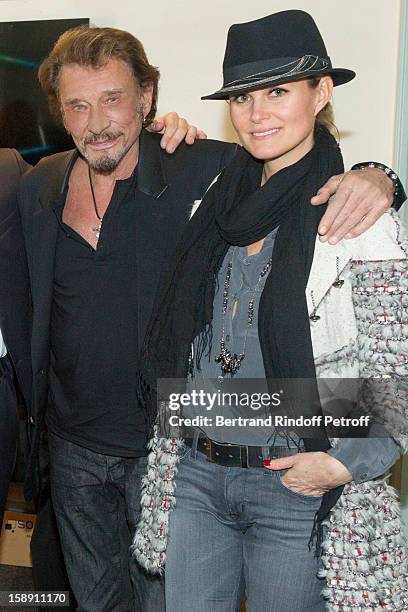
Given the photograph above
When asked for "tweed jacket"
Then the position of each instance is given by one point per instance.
(362, 331)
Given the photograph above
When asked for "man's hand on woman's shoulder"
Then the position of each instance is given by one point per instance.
(357, 199)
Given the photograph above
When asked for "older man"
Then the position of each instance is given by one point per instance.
(15, 360)
(101, 223)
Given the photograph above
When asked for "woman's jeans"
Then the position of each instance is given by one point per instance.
(235, 530)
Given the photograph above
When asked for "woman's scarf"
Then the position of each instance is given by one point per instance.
(237, 211)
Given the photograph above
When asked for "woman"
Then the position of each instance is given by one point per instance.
(254, 294)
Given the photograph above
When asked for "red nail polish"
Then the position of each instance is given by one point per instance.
(266, 462)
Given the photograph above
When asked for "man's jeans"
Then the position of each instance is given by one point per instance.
(236, 530)
(97, 505)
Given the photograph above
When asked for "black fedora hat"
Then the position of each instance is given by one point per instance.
(279, 48)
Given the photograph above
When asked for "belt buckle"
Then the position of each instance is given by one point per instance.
(244, 456)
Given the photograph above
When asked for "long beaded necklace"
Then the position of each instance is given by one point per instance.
(230, 363)
(98, 228)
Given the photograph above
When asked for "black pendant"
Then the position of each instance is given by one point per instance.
(314, 317)
(338, 283)
(230, 364)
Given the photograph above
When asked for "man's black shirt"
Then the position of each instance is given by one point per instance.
(94, 332)
(101, 303)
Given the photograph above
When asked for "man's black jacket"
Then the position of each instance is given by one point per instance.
(167, 186)
(15, 310)
(14, 288)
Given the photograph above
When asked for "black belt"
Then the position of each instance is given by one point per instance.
(235, 455)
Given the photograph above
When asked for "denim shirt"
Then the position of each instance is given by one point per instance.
(245, 273)
(244, 285)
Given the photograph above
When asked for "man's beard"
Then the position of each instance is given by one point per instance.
(104, 164)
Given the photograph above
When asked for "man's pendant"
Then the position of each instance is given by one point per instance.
(97, 230)
(230, 364)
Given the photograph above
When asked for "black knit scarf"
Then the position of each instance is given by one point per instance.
(237, 211)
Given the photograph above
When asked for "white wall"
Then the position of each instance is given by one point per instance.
(186, 39)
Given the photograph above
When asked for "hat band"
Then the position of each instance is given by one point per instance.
(284, 66)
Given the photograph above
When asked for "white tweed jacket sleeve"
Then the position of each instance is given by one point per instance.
(362, 331)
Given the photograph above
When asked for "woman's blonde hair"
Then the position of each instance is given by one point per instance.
(325, 118)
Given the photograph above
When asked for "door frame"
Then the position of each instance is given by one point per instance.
(401, 167)
(401, 122)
